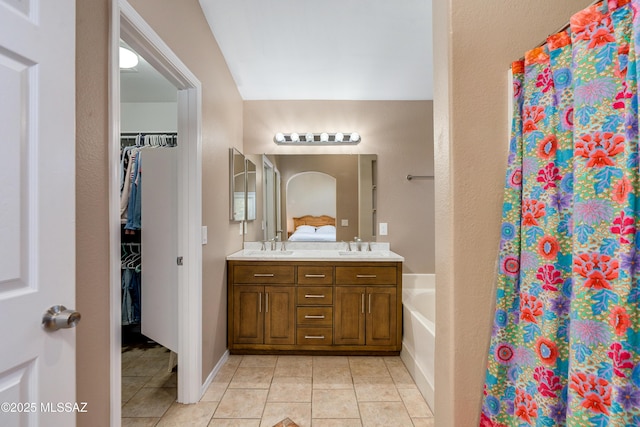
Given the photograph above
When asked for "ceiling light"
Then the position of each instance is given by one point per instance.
(310, 138)
(279, 138)
(128, 59)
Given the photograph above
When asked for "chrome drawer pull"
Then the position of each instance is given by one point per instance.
(313, 296)
(263, 275)
(311, 316)
(315, 276)
(314, 337)
(366, 276)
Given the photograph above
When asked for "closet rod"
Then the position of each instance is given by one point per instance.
(567, 25)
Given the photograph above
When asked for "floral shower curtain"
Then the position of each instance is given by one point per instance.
(565, 345)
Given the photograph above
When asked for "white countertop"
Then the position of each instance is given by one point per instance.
(315, 251)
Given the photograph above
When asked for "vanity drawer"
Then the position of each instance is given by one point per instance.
(366, 275)
(263, 274)
(310, 275)
(315, 295)
(318, 316)
(314, 336)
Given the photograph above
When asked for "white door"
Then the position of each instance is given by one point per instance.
(160, 245)
(37, 210)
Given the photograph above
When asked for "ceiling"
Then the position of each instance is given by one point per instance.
(317, 50)
(330, 49)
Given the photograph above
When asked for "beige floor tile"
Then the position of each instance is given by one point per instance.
(294, 366)
(225, 374)
(401, 377)
(180, 415)
(393, 361)
(149, 402)
(241, 403)
(252, 378)
(163, 379)
(157, 353)
(415, 403)
(290, 389)
(423, 422)
(368, 367)
(132, 385)
(321, 362)
(377, 393)
(219, 422)
(233, 360)
(384, 414)
(345, 422)
(214, 392)
(334, 404)
(147, 368)
(299, 413)
(332, 379)
(258, 361)
(374, 380)
(139, 422)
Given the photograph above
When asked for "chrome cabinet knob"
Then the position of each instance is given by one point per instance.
(58, 317)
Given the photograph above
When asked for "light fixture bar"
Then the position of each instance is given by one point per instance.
(324, 138)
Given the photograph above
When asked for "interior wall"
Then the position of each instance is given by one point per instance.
(474, 45)
(221, 128)
(399, 132)
(149, 117)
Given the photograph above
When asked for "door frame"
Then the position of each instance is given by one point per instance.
(127, 24)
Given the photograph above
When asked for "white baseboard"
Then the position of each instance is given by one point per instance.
(214, 372)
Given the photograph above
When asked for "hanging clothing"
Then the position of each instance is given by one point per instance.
(565, 343)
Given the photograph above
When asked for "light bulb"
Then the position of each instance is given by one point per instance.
(128, 59)
(309, 137)
(295, 137)
(355, 137)
(279, 138)
(324, 137)
(339, 137)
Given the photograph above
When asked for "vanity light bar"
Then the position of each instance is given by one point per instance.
(324, 138)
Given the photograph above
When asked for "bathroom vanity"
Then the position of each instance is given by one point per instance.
(324, 301)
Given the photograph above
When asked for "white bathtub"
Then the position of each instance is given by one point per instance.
(419, 332)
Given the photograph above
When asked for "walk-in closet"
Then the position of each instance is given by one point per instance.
(149, 250)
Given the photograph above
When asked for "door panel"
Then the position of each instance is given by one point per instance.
(279, 315)
(248, 327)
(349, 315)
(381, 316)
(160, 245)
(37, 206)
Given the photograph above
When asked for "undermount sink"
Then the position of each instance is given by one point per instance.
(364, 254)
(268, 254)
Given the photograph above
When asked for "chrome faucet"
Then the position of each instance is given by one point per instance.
(282, 246)
(273, 243)
(358, 242)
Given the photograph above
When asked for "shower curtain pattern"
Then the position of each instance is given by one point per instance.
(565, 345)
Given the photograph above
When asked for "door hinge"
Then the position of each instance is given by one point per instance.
(180, 260)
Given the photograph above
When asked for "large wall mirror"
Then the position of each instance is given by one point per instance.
(327, 197)
(237, 186)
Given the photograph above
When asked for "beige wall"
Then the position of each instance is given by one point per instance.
(399, 132)
(221, 128)
(474, 45)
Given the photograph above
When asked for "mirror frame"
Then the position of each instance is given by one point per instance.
(234, 172)
(250, 204)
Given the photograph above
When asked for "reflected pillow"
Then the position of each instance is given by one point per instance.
(326, 229)
(306, 229)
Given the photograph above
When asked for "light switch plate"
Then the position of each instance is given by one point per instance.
(344, 222)
(204, 235)
(383, 229)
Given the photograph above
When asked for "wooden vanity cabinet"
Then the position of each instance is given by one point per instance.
(314, 307)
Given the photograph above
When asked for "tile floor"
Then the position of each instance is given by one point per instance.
(318, 391)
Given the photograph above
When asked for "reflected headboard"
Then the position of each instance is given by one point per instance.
(315, 221)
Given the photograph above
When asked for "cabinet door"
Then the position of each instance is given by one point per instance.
(248, 318)
(349, 315)
(280, 317)
(381, 316)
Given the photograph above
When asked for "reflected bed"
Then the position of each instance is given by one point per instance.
(311, 228)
